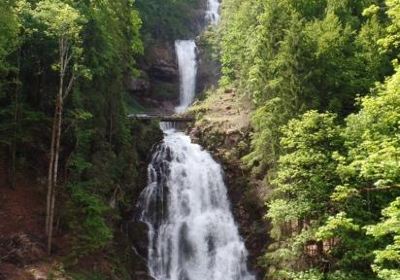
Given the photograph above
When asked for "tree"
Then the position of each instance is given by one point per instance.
(9, 28)
(103, 162)
(8, 32)
(303, 184)
(370, 174)
(63, 23)
(387, 260)
(392, 40)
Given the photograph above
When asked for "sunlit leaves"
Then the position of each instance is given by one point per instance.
(60, 19)
(9, 27)
(393, 37)
(387, 261)
(294, 56)
(336, 227)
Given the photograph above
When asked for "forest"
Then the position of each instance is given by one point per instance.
(320, 80)
(324, 79)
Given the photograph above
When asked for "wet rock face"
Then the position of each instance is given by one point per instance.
(138, 235)
(139, 241)
(164, 71)
(209, 69)
(139, 85)
(159, 79)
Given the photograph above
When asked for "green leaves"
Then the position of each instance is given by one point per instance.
(335, 180)
(168, 19)
(293, 56)
(336, 227)
(60, 19)
(93, 45)
(387, 260)
(88, 221)
(296, 60)
(9, 28)
(304, 181)
(392, 40)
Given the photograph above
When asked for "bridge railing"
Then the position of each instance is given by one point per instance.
(162, 117)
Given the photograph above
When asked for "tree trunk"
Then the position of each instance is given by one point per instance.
(55, 144)
(58, 120)
(14, 144)
(50, 174)
(13, 176)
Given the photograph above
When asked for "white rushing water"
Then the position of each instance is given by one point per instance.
(192, 233)
(212, 13)
(186, 54)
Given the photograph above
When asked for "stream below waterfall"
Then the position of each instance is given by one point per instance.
(191, 230)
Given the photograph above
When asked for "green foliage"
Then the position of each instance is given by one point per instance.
(330, 187)
(168, 19)
(336, 226)
(98, 159)
(308, 275)
(372, 165)
(90, 231)
(332, 174)
(291, 56)
(60, 19)
(64, 24)
(392, 40)
(88, 276)
(387, 260)
(9, 28)
(303, 183)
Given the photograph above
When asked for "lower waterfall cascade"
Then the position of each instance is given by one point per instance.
(192, 233)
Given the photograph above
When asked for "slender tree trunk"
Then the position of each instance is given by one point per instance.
(15, 126)
(14, 142)
(50, 174)
(111, 128)
(55, 172)
(55, 145)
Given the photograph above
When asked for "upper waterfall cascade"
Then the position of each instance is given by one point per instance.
(212, 13)
(187, 60)
(186, 54)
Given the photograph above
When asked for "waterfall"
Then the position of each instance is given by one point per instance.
(187, 62)
(192, 233)
(212, 13)
(186, 54)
